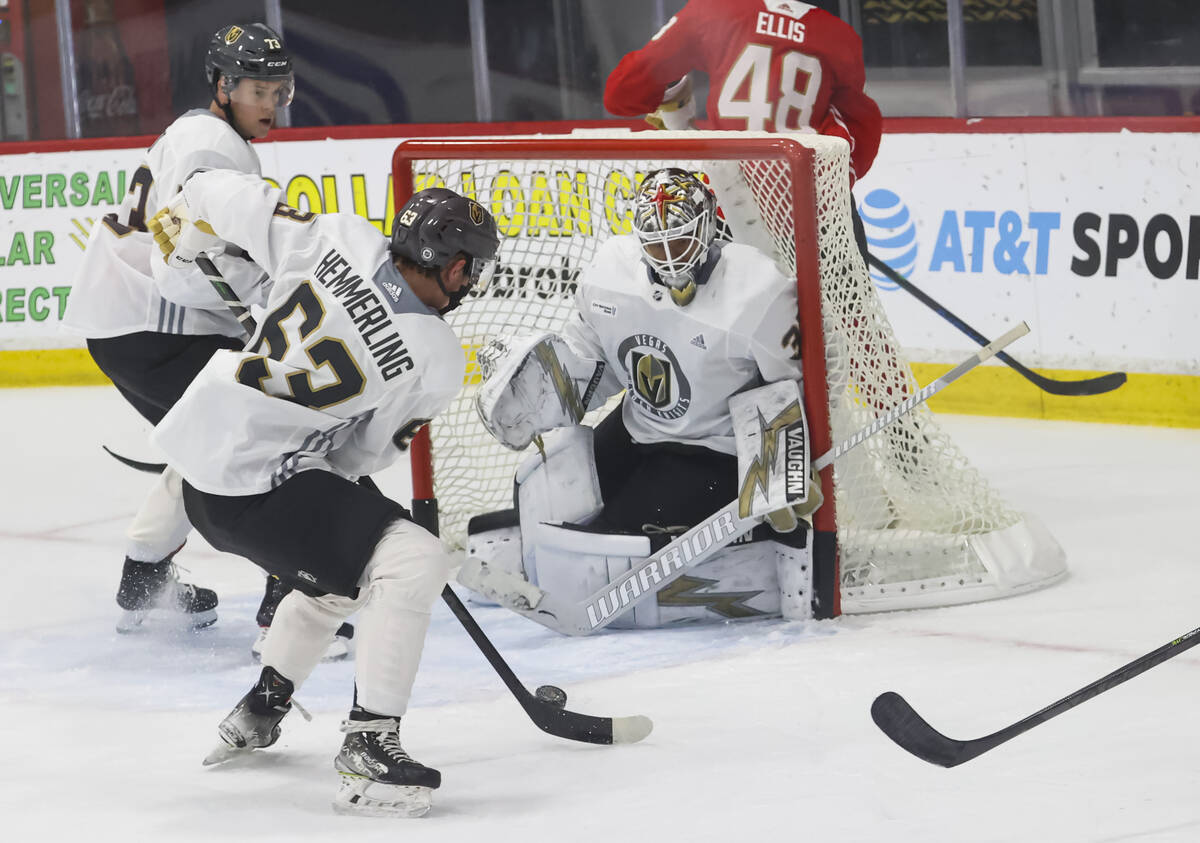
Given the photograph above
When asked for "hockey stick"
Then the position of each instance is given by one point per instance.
(148, 467)
(1088, 386)
(892, 713)
(548, 716)
(699, 543)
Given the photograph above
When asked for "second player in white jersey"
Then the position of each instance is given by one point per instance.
(150, 328)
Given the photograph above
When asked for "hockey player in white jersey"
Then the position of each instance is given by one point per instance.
(150, 328)
(350, 361)
(682, 323)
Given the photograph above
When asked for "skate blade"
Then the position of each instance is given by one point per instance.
(221, 753)
(360, 796)
(132, 620)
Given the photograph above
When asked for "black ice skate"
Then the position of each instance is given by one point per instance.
(155, 587)
(254, 721)
(378, 777)
(339, 647)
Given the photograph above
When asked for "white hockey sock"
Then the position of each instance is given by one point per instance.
(161, 525)
(406, 574)
(301, 631)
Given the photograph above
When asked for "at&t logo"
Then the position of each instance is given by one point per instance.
(891, 234)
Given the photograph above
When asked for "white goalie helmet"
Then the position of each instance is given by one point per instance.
(675, 217)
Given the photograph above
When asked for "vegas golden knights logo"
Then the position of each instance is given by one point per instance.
(652, 379)
(476, 213)
(234, 33)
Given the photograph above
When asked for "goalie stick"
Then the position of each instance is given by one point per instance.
(547, 716)
(1088, 386)
(892, 713)
(691, 548)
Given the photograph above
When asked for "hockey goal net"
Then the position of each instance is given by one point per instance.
(907, 522)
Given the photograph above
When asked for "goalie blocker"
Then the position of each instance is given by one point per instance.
(550, 548)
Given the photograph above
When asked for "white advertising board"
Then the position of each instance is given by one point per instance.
(1092, 238)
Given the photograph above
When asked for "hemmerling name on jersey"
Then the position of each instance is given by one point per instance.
(367, 312)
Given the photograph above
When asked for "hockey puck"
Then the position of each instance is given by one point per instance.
(552, 694)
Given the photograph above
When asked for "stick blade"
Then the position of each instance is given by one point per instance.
(1090, 386)
(908, 730)
(585, 728)
(631, 729)
(148, 467)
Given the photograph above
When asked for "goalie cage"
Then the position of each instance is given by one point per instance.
(907, 521)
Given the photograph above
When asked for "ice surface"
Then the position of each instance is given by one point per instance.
(762, 730)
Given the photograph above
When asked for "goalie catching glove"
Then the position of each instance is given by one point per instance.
(179, 236)
(533, 384)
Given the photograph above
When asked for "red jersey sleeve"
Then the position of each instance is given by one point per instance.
(637, 83)
(851, 113)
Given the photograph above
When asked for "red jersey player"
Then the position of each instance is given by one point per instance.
(773, 65)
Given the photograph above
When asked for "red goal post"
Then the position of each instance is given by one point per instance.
(906, 521)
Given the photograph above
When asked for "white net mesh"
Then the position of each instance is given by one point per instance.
(908, 504)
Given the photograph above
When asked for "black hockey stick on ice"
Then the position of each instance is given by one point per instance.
(546, 709)
(1088, 386)
(892, 713)
(698, 544)
(148, 467)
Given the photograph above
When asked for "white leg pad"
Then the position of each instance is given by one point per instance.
(161, 525)
(759, 579)
(399, 586)
(499, 548)
(572, 564)
(563, 487)
(793, 567)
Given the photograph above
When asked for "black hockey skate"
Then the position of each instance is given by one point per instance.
(154, 586)
(378, 777)
(254, 721)
(339, 647)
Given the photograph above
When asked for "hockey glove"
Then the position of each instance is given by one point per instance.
(529, 387)
(678, 108)
(787, 519)
(180, 237)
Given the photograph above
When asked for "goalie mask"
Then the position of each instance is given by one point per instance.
(674, 215)
(435, 226)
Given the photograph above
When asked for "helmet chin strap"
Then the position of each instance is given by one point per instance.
(456, 297)
(227, 109)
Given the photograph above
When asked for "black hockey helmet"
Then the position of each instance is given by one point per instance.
(436, 224)
(249, 51)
